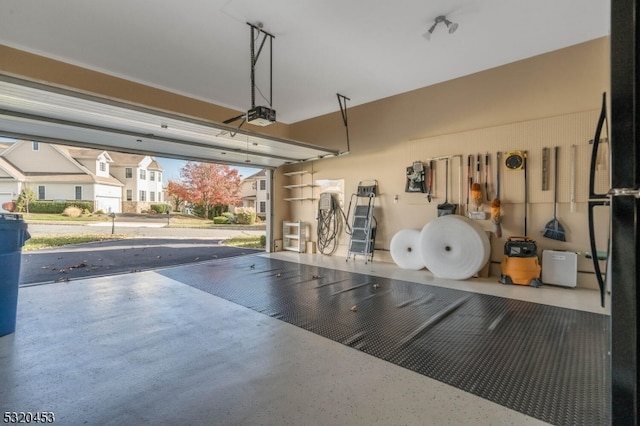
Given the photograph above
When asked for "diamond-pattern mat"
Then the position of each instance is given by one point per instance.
(547, 362)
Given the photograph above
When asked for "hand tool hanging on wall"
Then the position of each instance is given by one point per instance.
(526, 191)
(486, 175)
(554, 229)
(496, 211)
(430, 189)
(476, 188)
(545, 169)
(573, 178)
(517, 160)
(469, 179)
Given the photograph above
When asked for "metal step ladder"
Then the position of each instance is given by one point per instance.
(363, 225)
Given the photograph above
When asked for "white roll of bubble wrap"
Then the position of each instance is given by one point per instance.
(405, 249)
(454, 247)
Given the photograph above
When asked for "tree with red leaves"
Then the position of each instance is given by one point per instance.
(213, 187)
(178, 194)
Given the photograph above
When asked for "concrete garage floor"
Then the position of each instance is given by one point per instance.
(145, 349)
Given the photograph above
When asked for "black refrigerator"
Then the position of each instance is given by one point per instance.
(624, 201)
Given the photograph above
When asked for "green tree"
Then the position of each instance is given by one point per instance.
(26, 196)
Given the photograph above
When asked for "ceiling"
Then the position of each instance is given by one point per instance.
(361, 49)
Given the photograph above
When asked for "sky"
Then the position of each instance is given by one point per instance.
(172, 168)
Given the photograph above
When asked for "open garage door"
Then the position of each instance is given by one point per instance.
(34, 111)
(39, 112)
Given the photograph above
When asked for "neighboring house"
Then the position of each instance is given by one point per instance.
(253, 192)
(142, 179)
(11, 179)
(57, 172)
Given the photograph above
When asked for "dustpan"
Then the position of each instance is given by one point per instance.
(446, 208)
(554, 229)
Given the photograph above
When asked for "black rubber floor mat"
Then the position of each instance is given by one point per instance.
(547, 362)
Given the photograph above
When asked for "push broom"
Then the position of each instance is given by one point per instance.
(554, 229)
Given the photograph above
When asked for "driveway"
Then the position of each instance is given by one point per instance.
(152, 245)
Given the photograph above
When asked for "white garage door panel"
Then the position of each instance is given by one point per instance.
(108, 205)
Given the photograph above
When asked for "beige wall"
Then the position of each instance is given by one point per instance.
(546, 101)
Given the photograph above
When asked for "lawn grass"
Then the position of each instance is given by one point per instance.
(47, 241)
(56, 217)
(249, 241)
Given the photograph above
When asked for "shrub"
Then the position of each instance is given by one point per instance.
(72, 211)
(160, 208)
(263, 240)
(220, 220)
(57, 207)
(245, 215)
(86, 212)
(230, 216)
(100, 212)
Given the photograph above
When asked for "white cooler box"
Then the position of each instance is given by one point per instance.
(560, 268)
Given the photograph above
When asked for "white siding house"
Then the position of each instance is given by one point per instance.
(113, 182)
(253, 192)
(141, 176)
(11, 180)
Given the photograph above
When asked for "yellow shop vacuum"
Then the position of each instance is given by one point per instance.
(520, 263)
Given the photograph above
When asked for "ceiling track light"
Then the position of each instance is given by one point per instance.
(452, 26)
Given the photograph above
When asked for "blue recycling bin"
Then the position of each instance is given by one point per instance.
(13, 234)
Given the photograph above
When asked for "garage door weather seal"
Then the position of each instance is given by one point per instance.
(546, 362)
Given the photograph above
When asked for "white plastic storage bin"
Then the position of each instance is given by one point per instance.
(560, 268)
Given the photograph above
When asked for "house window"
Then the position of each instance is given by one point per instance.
(254, 186)
(159, 196)
(152, 176)
(159, 177)
(263, 185)
(128, 173)
(142, 196)
(41, 192)
(263, 206)
(152, 196)
(35, 146)
(129, 195)
(143, 174)
(78, 193)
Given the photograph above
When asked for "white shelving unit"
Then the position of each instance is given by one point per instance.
(294, 236)
(304, 189)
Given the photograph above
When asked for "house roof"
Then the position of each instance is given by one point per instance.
(121, 159)
(154, 165)
(84, 153)
(260, 173)
(11, 170)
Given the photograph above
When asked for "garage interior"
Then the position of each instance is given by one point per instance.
(155, 347)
